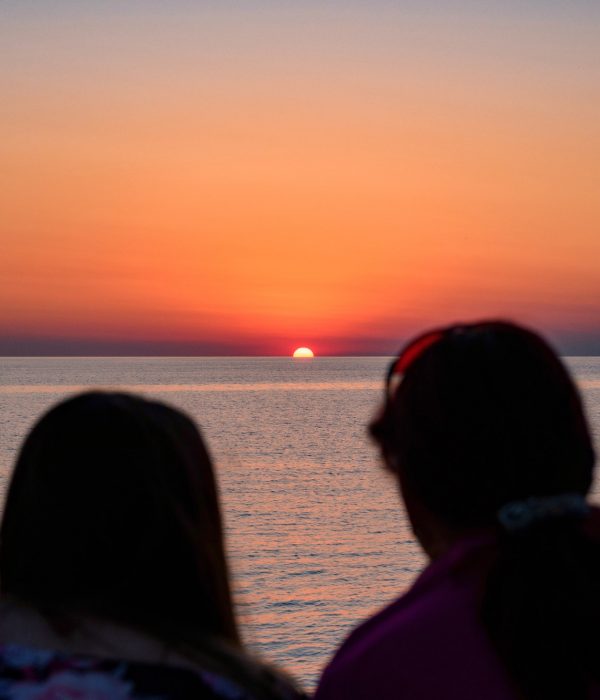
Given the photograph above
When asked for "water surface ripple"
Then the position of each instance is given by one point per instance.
(315, 532)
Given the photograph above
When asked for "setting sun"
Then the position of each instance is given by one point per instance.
(303, 352)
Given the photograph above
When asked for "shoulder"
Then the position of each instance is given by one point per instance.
(415, 646)
(382, 654)
(27, 672)
(96, 651)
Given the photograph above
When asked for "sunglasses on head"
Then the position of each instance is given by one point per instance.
(406, 358)
(460, 333)
(380, 425)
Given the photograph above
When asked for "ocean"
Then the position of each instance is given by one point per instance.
(316, 535)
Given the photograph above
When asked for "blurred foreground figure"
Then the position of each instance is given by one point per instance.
(484, 431)
(113, 574)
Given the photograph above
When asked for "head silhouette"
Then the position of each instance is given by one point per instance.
(113, 511)
(483, 415)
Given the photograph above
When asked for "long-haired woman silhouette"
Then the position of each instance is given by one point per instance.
(113, 572)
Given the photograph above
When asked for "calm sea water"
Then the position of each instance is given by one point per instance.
(316, 535)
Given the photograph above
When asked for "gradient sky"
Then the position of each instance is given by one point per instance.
(247, 177)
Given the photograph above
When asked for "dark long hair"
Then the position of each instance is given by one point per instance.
(486, 414)
(113, 511)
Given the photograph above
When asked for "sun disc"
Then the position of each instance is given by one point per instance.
(303, 353)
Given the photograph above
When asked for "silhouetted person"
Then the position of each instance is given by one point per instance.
(113, 574)
(484, 431)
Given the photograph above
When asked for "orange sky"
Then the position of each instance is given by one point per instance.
(220, 180)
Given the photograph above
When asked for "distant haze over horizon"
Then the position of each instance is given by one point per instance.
(567, 346)
(225, 178)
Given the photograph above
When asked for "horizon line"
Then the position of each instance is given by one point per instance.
(210, 357)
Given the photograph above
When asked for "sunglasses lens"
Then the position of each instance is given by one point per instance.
(394, 383)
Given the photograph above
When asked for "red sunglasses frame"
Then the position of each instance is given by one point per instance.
(407, 357)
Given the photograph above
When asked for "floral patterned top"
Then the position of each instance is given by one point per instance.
(36, 674)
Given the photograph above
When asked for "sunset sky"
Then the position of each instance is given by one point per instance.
(246, 177)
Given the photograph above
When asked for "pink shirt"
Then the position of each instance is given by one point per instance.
(429, 643)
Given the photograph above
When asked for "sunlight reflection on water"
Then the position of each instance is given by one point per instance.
(175, 388)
